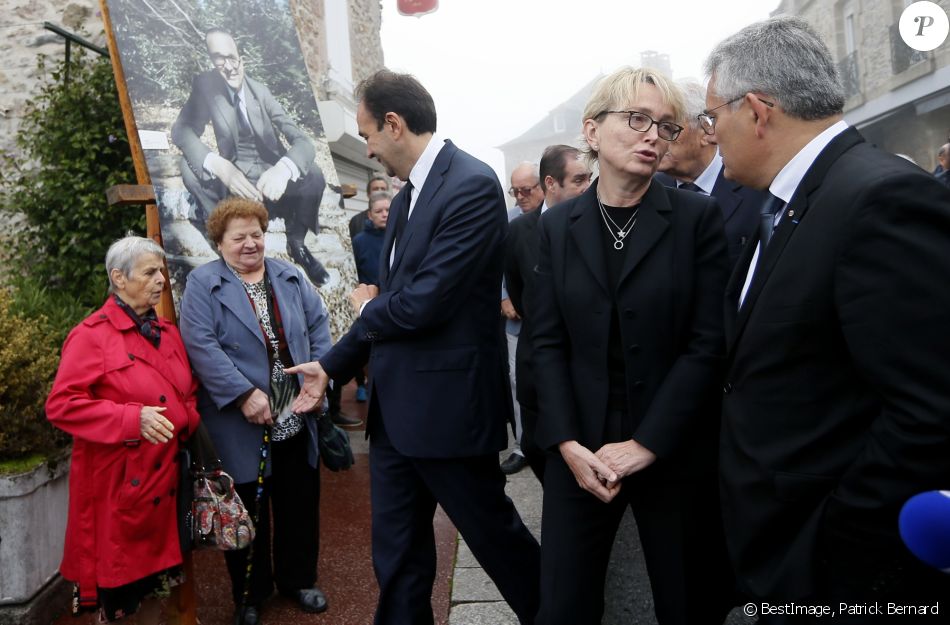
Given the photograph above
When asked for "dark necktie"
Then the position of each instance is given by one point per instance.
(402, 218)
(245, 128)
(770, 207)
(689, 186)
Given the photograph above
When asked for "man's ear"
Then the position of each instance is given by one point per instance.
(761, 111)
(394, 124)
(549, 182)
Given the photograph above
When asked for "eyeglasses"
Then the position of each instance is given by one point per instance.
(516, 191)
(708, 122)
(220, 61)
(641, 122)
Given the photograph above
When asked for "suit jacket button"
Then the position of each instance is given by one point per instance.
(161, 398)
(727, 388)
(638, 384)
(634, 348)
(157, 500)
(135, 481)
(158, 465)
(131, 357)
(629, 313)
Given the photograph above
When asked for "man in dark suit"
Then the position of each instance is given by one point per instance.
(693, 163)
(529, 196)
(564, 174)
(837, 391)
(251, 160)
(439, 403)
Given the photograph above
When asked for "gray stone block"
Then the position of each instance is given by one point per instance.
(473, 584)
(482, 613)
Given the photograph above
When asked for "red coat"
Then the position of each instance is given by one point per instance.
(122, 522)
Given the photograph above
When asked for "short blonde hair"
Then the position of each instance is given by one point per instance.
(622, 86)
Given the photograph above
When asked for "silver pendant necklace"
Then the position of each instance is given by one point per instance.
(618, 233)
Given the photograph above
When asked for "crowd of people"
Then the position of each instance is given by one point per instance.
(745, 349)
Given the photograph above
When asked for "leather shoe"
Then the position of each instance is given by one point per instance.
(311, 600)
(513, 464)
(248, 616)
(344, 421)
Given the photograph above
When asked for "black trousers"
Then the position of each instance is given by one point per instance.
(405, 492)
(292, 494)
(535, 456)
(681, 536)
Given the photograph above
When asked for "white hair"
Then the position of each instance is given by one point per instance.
(124, 253)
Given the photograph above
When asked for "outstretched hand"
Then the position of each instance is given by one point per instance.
(314, 386)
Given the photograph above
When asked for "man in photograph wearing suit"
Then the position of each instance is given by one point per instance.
(837, 391)
(693, 163)
(564, 174)
(252, 161)
(439, 396)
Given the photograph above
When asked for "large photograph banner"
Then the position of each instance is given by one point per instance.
(224, 106)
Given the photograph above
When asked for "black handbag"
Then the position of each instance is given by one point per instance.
(334, 444)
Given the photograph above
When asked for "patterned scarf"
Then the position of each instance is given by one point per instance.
(147, 325)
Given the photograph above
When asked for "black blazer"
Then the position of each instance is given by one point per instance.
(669, 302)
(740, 211)
(837, 395)
(521, 257)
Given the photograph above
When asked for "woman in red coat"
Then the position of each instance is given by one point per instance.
(124, 391)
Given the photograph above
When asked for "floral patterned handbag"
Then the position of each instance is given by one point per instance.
(211, 514)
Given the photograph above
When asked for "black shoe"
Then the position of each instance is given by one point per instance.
(247, 616)
(344, 421)
(311, 600)
(513, 464)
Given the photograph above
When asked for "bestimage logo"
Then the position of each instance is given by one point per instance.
(924, 26)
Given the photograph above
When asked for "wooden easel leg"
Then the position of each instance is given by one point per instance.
(182, 606)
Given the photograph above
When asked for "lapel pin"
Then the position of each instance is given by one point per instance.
(791, 213)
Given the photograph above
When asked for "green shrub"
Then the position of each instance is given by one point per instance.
(71, 147)
(55, 313)
(28, 364)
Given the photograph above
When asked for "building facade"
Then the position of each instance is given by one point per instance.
(897, 97)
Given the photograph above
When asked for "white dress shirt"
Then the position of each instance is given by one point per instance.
(786, 182)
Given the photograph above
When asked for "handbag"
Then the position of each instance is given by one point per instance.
(333, 444)
(210, 512)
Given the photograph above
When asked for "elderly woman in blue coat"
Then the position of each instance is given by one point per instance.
(244, 318)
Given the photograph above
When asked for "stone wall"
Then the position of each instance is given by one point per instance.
(23, 38)
(366, 47)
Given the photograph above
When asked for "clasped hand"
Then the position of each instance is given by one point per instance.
(256, 408)
(153, 426)
(601, 473)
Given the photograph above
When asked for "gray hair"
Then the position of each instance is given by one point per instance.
(783, 58)
(694, 97)
(123, 254)
(377, 196)
(534, 167)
